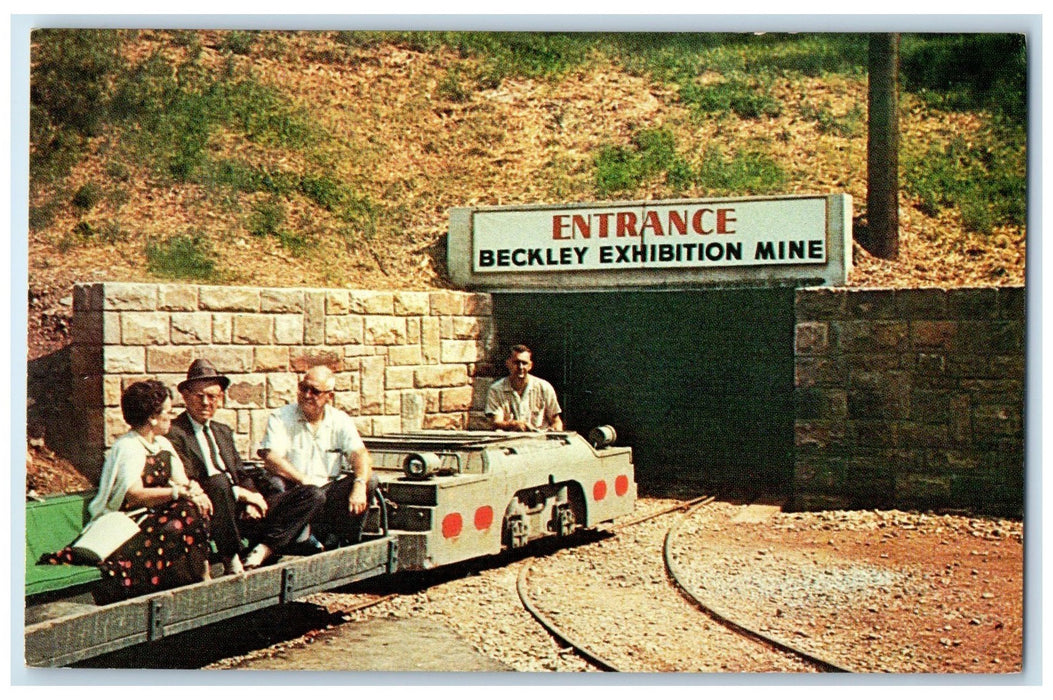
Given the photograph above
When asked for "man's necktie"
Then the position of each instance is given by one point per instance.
(216, 461)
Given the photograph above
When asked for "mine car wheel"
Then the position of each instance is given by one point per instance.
(566, 522)
(517, 531)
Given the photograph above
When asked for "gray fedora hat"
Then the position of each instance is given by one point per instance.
(201, 371)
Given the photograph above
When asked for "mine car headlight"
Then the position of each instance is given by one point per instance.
(602, 436)
(421, 465)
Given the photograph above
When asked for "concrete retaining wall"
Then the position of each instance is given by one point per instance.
(404, 360)
(910, 398)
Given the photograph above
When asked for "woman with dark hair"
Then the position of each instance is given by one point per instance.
(142, 473)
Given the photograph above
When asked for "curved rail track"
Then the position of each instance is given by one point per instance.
(677, 580)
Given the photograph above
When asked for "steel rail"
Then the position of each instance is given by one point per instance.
(357, 607)
(678, 580)
(553, 629)
(700, 501)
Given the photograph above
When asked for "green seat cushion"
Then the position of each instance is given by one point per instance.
(52, 524)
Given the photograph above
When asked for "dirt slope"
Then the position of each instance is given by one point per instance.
(397, 139)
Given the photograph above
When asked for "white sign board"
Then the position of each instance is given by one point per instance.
(645, 239)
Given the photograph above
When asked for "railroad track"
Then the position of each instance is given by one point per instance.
(788, 655)
(665, 597)
(724, 618)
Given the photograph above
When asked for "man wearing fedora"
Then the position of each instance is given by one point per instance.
(207, 450)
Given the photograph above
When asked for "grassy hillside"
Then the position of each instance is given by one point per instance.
(332, 158)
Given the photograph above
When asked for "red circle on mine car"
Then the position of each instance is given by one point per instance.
(451, 525)
(621, 485)
(599, 490)
(484, 517)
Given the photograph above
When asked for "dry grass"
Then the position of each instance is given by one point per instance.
(396, 138)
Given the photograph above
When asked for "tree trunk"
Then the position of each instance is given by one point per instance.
(883, 147)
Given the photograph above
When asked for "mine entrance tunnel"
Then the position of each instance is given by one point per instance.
(699, 383)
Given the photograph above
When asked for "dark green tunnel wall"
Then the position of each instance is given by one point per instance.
(699, 383)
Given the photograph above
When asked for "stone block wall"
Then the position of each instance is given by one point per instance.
(902, 398)
(403, 360)
(910, 398)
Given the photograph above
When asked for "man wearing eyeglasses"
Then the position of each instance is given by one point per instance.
(206, 447)
(308, 442)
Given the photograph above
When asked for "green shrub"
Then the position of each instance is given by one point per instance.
(295, 242)
(238, 42)
(263, 113)
(187, 256)
(87, 196)
(268, 217)
(71, 72)
(985, 178)
(655, 149)
(173, 110)
(524, 54)
(620, 168)
(615, 170)
(681, 176)
(116, 170)
(324, 191)
(105, 232)
(744, 173)
(968, 71)
(849, 125)
(69, 93)
(187, 38)
(452, 87)
(245, 177)
(806, 54)
(236, 174)
(362, 216)
(746, 98)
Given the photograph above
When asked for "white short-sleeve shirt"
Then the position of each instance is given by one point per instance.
(317, 452)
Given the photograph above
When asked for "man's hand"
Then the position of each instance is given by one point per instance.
(516, 425)
(356, 502)
(255, 505)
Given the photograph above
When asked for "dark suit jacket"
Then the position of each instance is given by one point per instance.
(181, 435)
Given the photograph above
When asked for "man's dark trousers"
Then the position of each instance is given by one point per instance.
(288, 511)
(334, 519)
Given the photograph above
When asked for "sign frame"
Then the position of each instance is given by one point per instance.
(653, 244)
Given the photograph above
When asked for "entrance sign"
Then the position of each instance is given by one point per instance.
(660, 244)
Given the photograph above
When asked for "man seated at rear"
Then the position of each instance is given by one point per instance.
(521, 401)
(308, 442)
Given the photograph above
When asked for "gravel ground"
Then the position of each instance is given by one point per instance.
(615, 597)
(874, 591)
(884, 591)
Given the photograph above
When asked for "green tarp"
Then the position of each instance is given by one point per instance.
(51, 524)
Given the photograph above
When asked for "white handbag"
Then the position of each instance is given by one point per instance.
(103, 535)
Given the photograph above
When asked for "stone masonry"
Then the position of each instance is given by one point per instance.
(910, 398)
(903, 398)
(403, 360)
